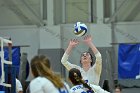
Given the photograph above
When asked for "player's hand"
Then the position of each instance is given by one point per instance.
(73, 42)
(87, 39)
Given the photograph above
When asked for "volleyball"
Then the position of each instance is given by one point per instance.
(80, 29)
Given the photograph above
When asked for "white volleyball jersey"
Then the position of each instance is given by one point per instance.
(43, 85)
(92, 75)
(18, 86)
(81, 89)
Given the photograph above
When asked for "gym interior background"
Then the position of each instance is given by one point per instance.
(45, 27)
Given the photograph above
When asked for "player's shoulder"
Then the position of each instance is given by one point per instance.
(39, 80)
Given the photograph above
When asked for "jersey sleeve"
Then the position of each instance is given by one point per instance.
(98, 64)
(67, 64)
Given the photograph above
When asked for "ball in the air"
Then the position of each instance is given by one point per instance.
(80, 29)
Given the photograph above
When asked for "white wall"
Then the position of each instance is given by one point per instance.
(127, 32)
(50, 37)
(101, 34)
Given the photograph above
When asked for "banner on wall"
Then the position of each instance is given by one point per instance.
(129, 61)
(15, 57)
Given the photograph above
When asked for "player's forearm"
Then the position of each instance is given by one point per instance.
(65, 62)
(64, 58)
(93, 48)
(68, 50)
(98, 63)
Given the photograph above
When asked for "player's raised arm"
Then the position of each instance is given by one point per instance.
(64, 60)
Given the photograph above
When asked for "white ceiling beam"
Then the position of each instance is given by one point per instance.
(125, 11)
(38, 20)
(129, 11)
(100, 11)
(137, 18)
(114, 15)
(24, 12)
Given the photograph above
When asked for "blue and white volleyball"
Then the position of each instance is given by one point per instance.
(80, 29)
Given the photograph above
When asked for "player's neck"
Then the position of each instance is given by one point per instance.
(86, 67)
